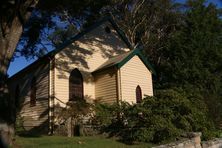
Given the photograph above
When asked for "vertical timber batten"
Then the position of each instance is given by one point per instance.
(118, 85)
(51, 95)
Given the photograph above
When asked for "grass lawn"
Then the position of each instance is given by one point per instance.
(65, 142)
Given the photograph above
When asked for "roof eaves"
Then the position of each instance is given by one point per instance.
(45, 58)
(147, 63)
(103, 69)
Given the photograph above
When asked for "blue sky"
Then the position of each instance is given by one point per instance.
(19, 63)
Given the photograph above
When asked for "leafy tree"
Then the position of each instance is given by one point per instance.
(13, 15)
(193, 55)
(148, 24)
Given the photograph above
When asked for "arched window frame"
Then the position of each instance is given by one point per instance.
(33, 92)
(75, 90)
(138, 94)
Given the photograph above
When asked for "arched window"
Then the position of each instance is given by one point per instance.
(138, 94)
(75, 85)
(33, 92)
(17, 94)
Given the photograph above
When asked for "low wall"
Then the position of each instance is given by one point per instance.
(193, 140)
(216, 143)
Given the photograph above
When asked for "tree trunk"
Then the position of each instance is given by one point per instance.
(11, 27)
(8, 44)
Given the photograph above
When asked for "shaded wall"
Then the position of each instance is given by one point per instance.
(34, 118)
(106, 86)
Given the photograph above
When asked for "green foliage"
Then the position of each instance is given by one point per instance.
(194, 57)
(19, 128)
(104, 114)
(76, 110)
(194, 49)
(161, 118)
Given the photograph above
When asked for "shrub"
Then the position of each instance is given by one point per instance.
(164, 117)
(74, 115)
(19, 128)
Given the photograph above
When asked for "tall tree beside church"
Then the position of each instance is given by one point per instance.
(148, 24)
(194, 55)
(13, 15)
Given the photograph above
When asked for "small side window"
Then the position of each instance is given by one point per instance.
(33, 93)
(138, 94)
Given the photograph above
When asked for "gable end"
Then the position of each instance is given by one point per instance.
(142, 58)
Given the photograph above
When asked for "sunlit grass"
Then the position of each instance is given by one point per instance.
(66, 142)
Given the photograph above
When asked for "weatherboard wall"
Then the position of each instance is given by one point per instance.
(132, 74)
(36, 117)
(106, 85)
(87, 54)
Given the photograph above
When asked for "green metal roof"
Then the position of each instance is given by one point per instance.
(122, 59)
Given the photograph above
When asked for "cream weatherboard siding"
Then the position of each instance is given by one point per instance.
(134, 73)
(36, 117)
(90, 50)
(106, 85)
(86, 54)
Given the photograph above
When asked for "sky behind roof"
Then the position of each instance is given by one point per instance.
(19, 63)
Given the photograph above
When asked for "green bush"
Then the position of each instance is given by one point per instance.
(19, 128)
(168, 115)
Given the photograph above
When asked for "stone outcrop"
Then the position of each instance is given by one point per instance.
(193, 140)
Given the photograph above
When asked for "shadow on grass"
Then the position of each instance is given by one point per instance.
(117, 137)
(35, 132)
(120, 135)
(29, 135)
